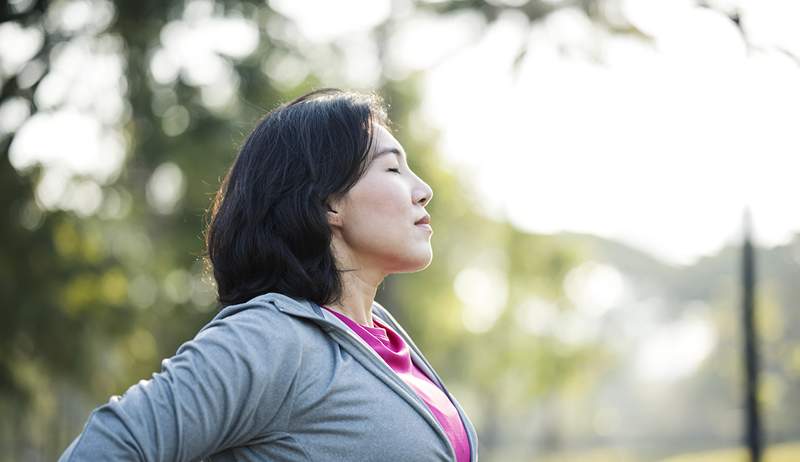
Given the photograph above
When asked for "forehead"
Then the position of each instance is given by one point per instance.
(383, 143)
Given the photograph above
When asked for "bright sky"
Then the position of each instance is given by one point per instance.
(662, 146)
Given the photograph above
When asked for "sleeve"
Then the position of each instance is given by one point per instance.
(220, 390)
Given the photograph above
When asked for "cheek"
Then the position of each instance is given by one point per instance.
(380, 199)
(379, 211)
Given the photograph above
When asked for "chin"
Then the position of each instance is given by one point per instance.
(422, 262)
(418, 262)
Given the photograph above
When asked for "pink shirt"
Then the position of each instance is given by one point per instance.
(391, 347)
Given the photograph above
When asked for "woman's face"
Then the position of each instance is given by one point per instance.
(375, 220)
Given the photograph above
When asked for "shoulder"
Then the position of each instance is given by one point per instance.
(257, 313)
(250, 332)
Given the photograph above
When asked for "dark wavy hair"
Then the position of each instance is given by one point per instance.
(268, 230)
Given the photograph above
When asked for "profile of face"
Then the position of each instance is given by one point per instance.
(374, 224)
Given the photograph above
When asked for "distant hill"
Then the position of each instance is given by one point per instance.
(703, 409)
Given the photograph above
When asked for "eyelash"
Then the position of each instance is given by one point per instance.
(394, 170)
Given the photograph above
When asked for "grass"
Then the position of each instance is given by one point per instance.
(592, 455)
(788, 452)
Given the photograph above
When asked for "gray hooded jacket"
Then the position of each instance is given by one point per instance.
(273, 379)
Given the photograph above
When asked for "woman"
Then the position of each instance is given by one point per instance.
(301, 364)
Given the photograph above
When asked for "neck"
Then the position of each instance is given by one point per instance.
(359, 286)
(357, 298)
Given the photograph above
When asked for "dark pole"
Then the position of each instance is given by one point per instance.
(752, 417)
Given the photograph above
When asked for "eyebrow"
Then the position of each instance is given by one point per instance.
(394, 151)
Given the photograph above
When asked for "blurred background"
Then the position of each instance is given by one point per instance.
(591, 161)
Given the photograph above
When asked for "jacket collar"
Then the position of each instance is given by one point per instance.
(306, 309)
(309, 310)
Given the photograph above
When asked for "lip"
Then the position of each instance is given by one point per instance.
(425, 220)
(425, 226)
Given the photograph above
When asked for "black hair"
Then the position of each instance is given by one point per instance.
(268, 230)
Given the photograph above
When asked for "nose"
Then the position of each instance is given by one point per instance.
(424, 194)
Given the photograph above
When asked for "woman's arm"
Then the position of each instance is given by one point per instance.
(219, 390)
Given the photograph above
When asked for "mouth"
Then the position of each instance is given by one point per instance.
(426, 220)
(424, 223)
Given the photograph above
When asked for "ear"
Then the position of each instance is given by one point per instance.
(333, 215)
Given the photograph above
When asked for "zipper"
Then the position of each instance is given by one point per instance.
(353, 340)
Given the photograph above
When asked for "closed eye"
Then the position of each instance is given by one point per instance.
(394, 170)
